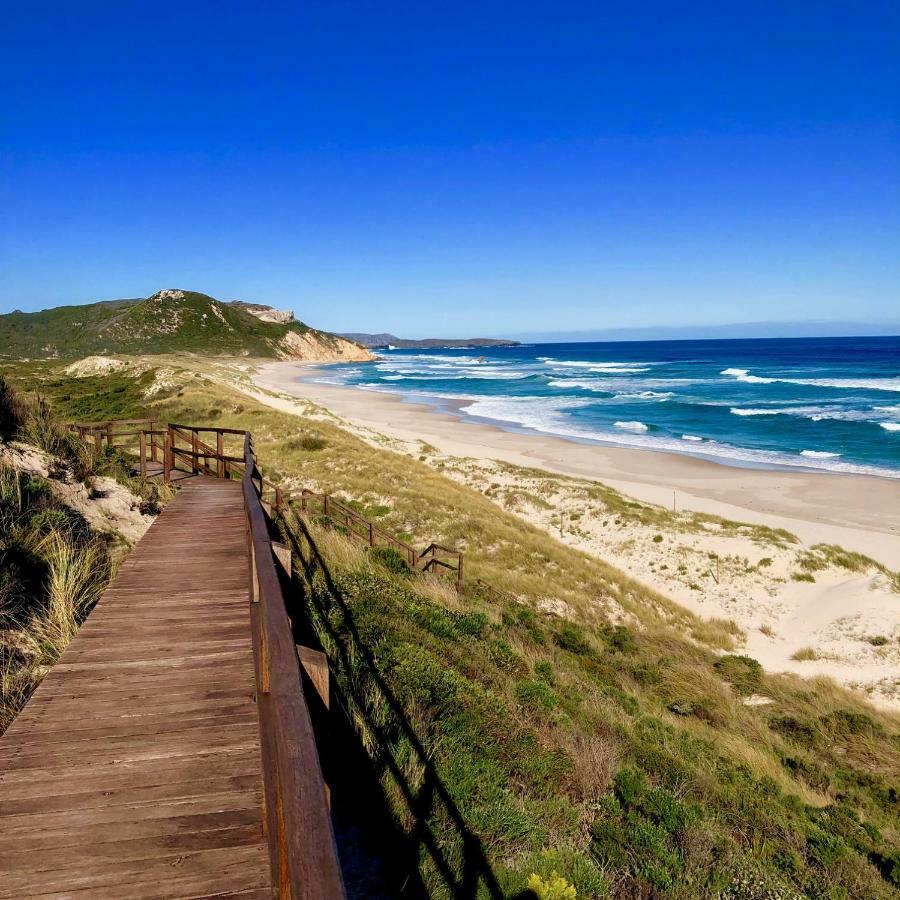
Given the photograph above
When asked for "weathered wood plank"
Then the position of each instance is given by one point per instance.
(135, 769)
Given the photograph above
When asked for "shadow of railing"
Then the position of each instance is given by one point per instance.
(465, 874)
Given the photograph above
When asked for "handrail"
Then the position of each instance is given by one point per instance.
(302, 849)
(371, 532)
(198, 459)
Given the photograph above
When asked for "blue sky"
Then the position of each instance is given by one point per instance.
(454, 169)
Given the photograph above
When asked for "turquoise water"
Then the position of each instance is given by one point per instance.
(819, 403)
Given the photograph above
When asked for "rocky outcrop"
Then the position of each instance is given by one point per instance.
(317, 346)
(265, 313)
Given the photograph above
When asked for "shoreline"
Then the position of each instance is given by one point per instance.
(858, 512)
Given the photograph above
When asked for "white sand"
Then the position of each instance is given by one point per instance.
(835, 615)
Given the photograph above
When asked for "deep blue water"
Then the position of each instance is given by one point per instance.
(824, 403)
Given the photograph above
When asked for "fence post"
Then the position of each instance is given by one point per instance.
(109, 434)
(371, 535)
(142, 454)
(167, 475)
(324, 504)
(195, 460)
(278, 500)
(153, 444)
(459, 571)
(220, 449)
(170, 450)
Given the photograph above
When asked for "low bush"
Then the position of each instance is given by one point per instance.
(743, 673)
(391, 560)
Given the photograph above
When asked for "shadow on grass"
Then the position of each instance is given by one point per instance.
(379, 857)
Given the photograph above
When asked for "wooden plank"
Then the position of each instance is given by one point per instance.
(135, 769)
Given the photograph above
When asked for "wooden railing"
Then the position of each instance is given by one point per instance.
(302, 849)
(358, 527)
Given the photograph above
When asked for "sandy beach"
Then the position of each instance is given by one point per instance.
(801, 609)
(858, 512)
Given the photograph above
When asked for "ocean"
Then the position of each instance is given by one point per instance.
(817, 403)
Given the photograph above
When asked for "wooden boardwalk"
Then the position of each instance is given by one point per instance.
(134, 771)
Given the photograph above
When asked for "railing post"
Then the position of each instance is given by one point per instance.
(98, 441)
(142, 454)
(170, 450)
(167, 451)
(153, 445)
(459, 571)
(278, 500)
(371, 535)
(324, 504)
(109, 434)
(220, 449)
(195, 463)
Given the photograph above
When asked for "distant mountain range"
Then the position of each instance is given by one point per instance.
(169, 321)
(383, 341)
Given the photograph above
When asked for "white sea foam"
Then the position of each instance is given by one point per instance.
(691, 437)
(585, 384)
(599, 368)
(819, 454)
(636, 427)
(865, 384)
(645, 395)
(737, 411)
(890, 426)
(547, 415)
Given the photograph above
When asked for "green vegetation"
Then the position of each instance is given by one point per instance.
(570, 730)
(621, 766)
(167, 322)
(53, 568)
(390, 559)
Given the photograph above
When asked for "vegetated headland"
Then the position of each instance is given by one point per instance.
(568, 724)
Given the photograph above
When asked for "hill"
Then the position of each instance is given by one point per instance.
(375, 341)
(169, 321)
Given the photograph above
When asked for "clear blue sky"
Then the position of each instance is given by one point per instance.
(456, 168)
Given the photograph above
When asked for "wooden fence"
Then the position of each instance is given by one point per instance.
(432, 559)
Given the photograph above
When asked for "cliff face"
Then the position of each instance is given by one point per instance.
(319, 346)
(265, 313)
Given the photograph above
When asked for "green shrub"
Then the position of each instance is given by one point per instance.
(846, 722)
(331, 525)
(621, 640)
(543, 670)
(12, 411)
(743, 673)
(570, 637)
(803, 733)
(391, 560)
(536, 695)
(554, 888)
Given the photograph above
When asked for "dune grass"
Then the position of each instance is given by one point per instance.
(53, 568)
